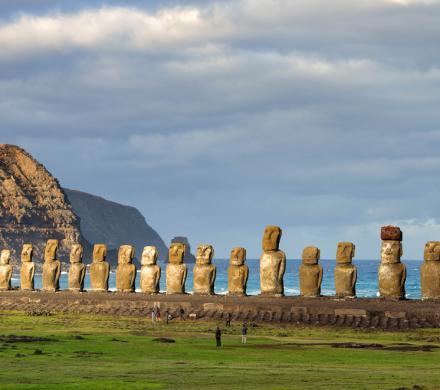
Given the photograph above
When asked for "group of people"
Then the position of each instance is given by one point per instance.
(218, 332)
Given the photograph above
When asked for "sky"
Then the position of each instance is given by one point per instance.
(217, 118)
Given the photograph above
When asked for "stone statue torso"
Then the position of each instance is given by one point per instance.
(51, 275)
(430, 279)
(310, 277)
(345, 280)
(5, 276)
(99, 273)
(272, 267)
(27, 275)
(392, 280)
(125, 277)
(237, 279)
(150, 277)
(76, 276)
(176, 276)
(204, 277)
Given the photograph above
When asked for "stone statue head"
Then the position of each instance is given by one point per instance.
(271, 238)
(391, 251)
(432, 251)
(26, 253)
(50, 251)
(176, 253)
(311, 255)
(125, 254)
(99, 253)
(238, 256)
(76, 253)
(204, 254)
(345, 252)
(5, 256)
(149, 255)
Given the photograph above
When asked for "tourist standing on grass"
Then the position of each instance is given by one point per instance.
(167, 316)
(228, 320)
(244, 330)
(158, 315)
(218, 337)
(153, 316)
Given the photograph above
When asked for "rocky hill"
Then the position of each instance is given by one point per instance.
(113, 223)
(33, 206)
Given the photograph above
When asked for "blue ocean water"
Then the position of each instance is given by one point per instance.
(366, 284)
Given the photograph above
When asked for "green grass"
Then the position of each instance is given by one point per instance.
(119, 353)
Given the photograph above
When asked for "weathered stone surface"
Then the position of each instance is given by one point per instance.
(310, 273)
(176, 271)
(77, 270)
(430, 271)
(51, 267)
(27, 269)
(272, 263)
(99, 269)
(5, 270)
(351, 312)
(390, 233)
(238, 272)
(345, 272)
(392, 273)
(126, 270)
(204, 272)
(150, 271)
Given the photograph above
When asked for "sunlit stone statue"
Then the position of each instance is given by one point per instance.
(150, 271)
(238, 272)
(5, 270)
(204, 272)
(176, 271)
(99, 269)
(126, 270)
(27, 269)
(430, 271)
(51, 267)
(77, 270)
(345, 271)
(272, 263)
(310, 273)
(392, 273)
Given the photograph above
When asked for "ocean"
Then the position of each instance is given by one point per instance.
(366, 286)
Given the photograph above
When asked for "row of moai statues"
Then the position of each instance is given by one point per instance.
(392, 273)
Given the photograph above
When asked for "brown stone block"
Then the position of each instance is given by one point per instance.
(391, 233)
(395, 314)
(351, 312)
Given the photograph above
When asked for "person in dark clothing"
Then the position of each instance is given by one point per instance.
(244, 330)
(182, 314)
(218, 337)
(228, 320)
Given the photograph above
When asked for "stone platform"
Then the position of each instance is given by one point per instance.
(363, 313)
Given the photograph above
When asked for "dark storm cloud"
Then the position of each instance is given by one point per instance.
(215, 119)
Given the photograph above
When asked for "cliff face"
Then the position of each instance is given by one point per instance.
(33, 206)
(103, 221)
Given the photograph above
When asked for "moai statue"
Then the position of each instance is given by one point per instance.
(345, 271)
(150, 271)
(77, 270)
(126, 270)
(5, 270)
(99, 269)
(176, 271)
(272, 263)
(51, 267)
(310, 273)
(238, 272)
(392, 273)
(204, 271)
(27, 269)
(430, 271)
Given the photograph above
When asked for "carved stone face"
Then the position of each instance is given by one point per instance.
(391, 251)
(26, 253)
(50, 252)
(76, 253)
(176, 253)
(271, 238)
(310, 255)
(345, 252)
(125, 254)
(238, 256)
(99, 253)
(5, 256)
(432, 251)
(149, 255)
(204, 254)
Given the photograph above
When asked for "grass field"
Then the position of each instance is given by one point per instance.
(101, 352)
